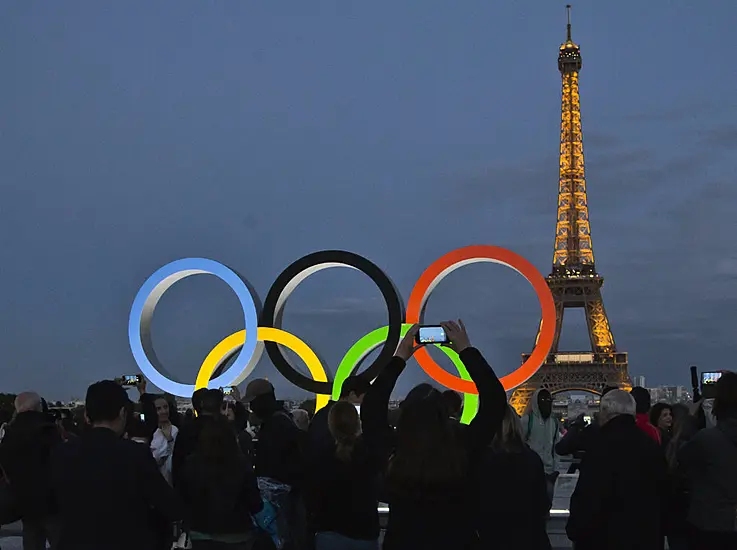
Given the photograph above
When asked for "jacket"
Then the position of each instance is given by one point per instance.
(643, 422)
(622, 491)
(25, 455)
(511, 500)
(219, 498)
(319, 439)
(279, 449)
(709, 463)
(342, 497)
(110, 493)
(541, 434)
(185, 444)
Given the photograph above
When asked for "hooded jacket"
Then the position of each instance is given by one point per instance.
(541, 434)
(708, 463)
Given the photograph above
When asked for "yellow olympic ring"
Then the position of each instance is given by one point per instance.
(235, 341)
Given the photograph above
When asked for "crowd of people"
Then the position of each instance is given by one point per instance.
(244, 473)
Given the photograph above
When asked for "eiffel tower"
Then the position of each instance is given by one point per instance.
(574, 280)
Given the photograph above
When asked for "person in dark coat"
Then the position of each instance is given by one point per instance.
(208, 405)
(25, 455)
(428, 484)
(622, 491)
(319, 438)
(709, 463)
(511, 492)
(279, 461)
(219, 489)
(109, 489)
(341, 487)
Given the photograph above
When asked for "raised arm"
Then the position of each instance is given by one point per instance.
(375, 406)
(377, 433)
(492, 399)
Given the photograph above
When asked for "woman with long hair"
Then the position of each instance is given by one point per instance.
(661, 416)
(162, 442)
(511, 491)
(342, 494)
(220, 492)
(427, 482)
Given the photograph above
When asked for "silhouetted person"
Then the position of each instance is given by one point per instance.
(279, 460)
(429, 455)
(319, 439)
(208, 406)
(25, 455)
(622, 491)
(511, 496)
(341, 487)
(709, 463)
(219, 489)
(109, 488)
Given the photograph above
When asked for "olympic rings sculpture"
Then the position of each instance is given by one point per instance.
(269, 334)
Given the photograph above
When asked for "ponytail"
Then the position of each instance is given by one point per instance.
(345, 427)
(344, 448)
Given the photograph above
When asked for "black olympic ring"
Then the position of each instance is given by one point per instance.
(297, 272)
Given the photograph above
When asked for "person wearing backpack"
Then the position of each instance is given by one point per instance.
(279, 462)
(25, 458)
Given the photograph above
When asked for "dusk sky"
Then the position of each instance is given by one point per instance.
(135, 133)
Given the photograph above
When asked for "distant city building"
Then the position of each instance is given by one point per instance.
(639, 381)
(670, 394)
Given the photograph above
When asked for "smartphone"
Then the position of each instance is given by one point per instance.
(587, 420)
(708, 384)
(142, 417)
(228, 390)
(431, 334)
(131, 379)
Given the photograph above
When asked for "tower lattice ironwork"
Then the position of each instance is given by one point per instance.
(574, 280)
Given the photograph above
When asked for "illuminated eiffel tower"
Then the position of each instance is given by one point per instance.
(574, 280)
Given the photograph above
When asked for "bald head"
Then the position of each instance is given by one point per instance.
(28, 401)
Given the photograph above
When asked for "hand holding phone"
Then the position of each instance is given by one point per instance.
(456, 331)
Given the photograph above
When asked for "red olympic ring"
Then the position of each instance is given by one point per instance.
(448, 263)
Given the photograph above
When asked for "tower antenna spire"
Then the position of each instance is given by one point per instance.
(568, 12)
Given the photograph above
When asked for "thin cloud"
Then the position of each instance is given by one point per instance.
(723, 136)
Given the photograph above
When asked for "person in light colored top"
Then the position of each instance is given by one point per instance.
(162, 443)
(541, 431)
